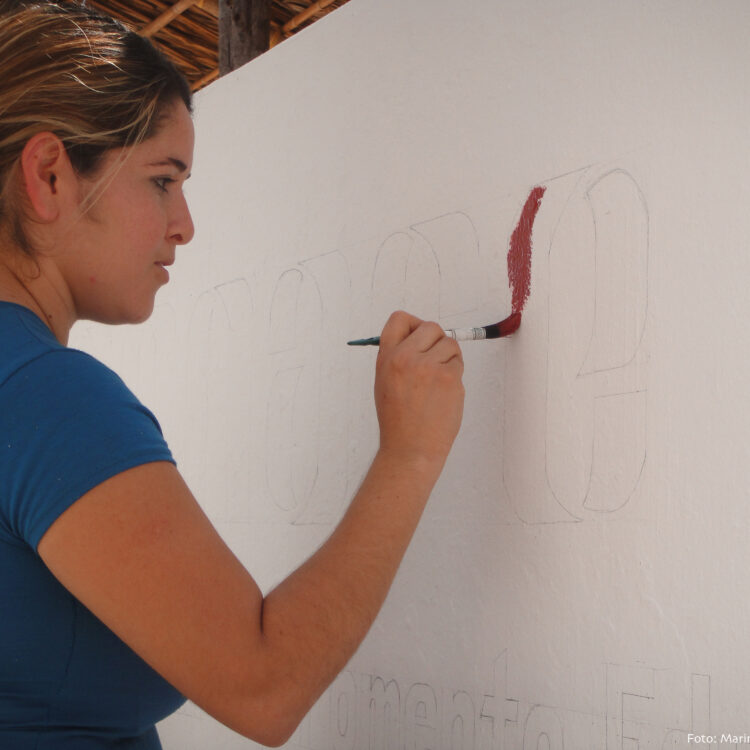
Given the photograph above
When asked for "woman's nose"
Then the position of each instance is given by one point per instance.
(182, 229)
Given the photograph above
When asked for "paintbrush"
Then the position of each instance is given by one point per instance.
(492, 331)
(519, 279)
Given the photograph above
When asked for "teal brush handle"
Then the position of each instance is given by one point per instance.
(374, 341)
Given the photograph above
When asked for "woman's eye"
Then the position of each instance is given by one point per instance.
(162, 182)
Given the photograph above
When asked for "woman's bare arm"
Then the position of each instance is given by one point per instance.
(139, 552)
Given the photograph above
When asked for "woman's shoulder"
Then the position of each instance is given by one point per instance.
(67, 423)
(22, 338)
(31, 352)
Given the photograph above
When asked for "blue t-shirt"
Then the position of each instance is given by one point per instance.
(67, 423)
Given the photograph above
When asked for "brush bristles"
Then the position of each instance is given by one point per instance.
(504, 327)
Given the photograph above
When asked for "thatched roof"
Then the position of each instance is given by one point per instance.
(188, 30)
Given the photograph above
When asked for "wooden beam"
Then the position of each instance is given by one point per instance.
(300, 18)
(244, 32)
(169, 15)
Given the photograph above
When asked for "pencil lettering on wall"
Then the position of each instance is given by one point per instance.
(499, 712)
(376, 712)
(455, 246)
(343, 710)
(543, 730)
(330, 491)
(641, 707)
(610, 370)
(420, 718)
(384, 713)
(462, 722)
(584, 353)
(621, 240)
(406, 276)
(284, 311)
(306, 474)
(220, 325)
(295, 320)
(629, 689)
(438, 268)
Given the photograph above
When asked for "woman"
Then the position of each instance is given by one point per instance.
(118, 598)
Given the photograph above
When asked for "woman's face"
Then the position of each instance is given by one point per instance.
(117, 251)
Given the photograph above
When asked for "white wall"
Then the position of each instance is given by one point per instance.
(579, 579)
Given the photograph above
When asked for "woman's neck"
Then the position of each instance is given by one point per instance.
(23, 281)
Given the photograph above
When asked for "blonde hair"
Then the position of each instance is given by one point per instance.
(83, 76)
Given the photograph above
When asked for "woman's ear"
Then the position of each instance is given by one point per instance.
(45, 169)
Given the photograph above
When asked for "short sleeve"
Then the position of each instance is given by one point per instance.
(67, 423)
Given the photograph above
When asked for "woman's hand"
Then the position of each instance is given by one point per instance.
(419, 396)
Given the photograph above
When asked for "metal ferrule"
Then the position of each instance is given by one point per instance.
(467, 334)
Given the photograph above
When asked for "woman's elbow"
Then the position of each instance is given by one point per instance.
(270, 716)
(271, 732)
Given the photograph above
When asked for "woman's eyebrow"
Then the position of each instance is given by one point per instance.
(171, 160)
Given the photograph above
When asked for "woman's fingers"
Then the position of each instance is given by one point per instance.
(418, 391)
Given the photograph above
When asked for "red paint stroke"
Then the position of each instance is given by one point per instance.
(519, 253)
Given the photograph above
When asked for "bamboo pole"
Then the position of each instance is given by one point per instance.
(166, 17)
(276, 36)
(210, 6)
(300, 18)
